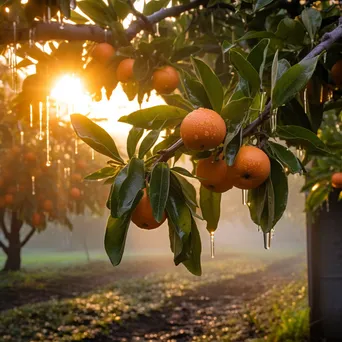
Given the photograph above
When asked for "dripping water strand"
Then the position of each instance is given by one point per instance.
(212, 245)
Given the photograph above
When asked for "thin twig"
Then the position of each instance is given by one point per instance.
(28, 237)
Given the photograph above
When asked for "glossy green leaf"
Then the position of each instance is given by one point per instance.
(154, 6)
(179, 101)
(257, 57)
(280, 189)
(285, 157)
(141, 68)
(256, 200)
(291, 31)
(245, 70)
(187, 189)
(292, 81)
(210, 82)
(274, 72)
(96, 11)
(159, 189)
(103, 173)
(131, 186)
(121, 7)
(316, 198)
(210, 203)
(148, 142)
(95, 136)
(283, 66)
(257, 34)
(267, 216)
(299, 136)
(235, 110)
(133, 138)
(312, 21)
(115, 237)
(261, 4)
(182, 171)
(156, 117)
(232, 148)
(114, 198)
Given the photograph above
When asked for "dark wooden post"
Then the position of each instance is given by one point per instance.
(324, 238)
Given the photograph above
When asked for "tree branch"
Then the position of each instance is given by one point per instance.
(41, 31)
(28, 236)
(3, 224)
(141, 16)
(4, 247)
(165, 155)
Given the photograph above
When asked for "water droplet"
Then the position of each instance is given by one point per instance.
(212, 245)
(267, 240)
(33, 185)
(244, 197)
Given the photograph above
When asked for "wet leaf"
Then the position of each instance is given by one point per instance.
(210, 203)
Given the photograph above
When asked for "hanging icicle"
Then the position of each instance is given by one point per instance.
(48, 161)
(244, 196)
(22, 138)
(212, 22)
(31, 115)
(212, 245)
(273, 121)
(157, 30)
(76, 146)
(267, 240)
(306, 100)
(40, 120)
(33, 185)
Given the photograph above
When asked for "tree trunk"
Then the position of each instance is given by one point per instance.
(325, 271)
(13, 261)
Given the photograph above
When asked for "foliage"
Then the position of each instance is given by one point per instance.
(247, 61)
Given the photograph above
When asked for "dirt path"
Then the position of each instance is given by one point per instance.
(219, 304)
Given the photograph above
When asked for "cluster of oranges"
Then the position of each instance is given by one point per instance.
(164, 80)
(336, 180)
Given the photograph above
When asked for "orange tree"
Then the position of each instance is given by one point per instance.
(245, 84)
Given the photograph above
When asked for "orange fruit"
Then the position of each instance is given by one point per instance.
(336, 73)
(215, 174)
(142, 215)
(75, 193)
(103, 52)
(9, 199)
(48, 205)
(165, 80)
(124, 72)
(36, 219)
(30, 157)
(336, 180)
(76, 177)
(251, 167)
(202, 129)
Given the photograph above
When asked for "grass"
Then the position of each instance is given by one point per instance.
(87, 316)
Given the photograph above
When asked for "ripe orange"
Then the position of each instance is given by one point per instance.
(251, 167)
(9, 199)
(103, 52)
(76, 178)
(124, 72)
(215, 175)
(75, 193)
(36, 219)
(336, 73)
(165, 80)
(203, 129)
(30, 157)
(336, 180)
(48, 205)
(142, 215)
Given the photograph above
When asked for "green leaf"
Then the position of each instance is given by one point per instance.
(187, 189)
(267, 216)
(257, 57)
(133, 139)
(159, 189)
(157, 117)
(193, 264)
(280, 189)
(274, 73)
(261, 4)
(115, 238)
(177, 100)
(121, 7)
(131, 186)
(312, 21)
(154, 6)
(141, 68)
(103, 173)
(256, 200)
(316, 198)
(95, 136)
(257, 34)
(210, 203)
(96, 11)
(302, 137)
(182, 171)
(292, 81)
(285, 157)
(148, 142)
(290, 31)
(283, 66)
(235, 110)
(114, 198)
(226, 46)
(210, 82)
(245, 70)
(232, 148)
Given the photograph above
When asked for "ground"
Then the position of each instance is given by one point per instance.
(238, 298)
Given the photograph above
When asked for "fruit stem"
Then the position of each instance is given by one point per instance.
(165, 155)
